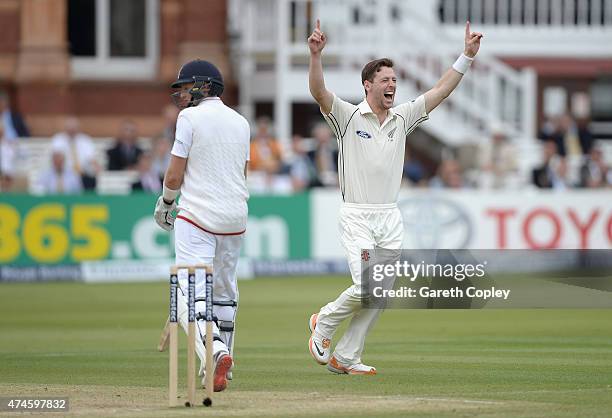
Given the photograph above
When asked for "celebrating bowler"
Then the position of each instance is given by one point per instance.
(371, 141)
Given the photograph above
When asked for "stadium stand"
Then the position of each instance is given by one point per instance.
(33, 157)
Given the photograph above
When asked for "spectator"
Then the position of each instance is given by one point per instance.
(560, 178)
(79, 151)
(414, 171)
(497, 160)
(552, 131)
(301, 169)
(161, 155)
(7, 161)
(14, 125)
(148, 179)
(595, 173)
(325, 155)
(585, 135)
(169, 115)
(124, 155)
(570, 137)
(553, 170)
(60, 178)
(542, 175)
(449, 175)
(266, 153)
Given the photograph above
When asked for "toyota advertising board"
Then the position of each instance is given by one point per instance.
(483, 220)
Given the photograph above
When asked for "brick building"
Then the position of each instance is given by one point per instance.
(104, 60)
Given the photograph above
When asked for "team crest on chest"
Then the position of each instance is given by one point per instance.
(392, 133)
(363, 134)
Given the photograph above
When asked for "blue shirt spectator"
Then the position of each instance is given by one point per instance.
(14, 126)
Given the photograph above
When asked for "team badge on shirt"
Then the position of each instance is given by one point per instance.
(363, 134)
(390, 135)
(365, 255)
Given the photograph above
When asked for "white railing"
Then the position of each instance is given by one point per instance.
(568, 13)
(532, 28)
(493, 94)
(273, 55)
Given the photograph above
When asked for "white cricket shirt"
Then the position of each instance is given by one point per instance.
(371, 155)
(215, 140)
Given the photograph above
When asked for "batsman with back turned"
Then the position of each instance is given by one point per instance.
(371, 141)
(208, 169)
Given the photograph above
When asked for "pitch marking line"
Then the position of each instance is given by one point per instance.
(450, 400)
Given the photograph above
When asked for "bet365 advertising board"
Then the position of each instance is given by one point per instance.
(72, 229)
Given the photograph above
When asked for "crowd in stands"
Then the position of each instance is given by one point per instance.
(570, 158)
(491, 164)
(564, 139)
(73, 164)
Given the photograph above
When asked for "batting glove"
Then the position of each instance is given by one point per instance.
(164, 214)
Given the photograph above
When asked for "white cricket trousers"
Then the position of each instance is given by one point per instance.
(361, 227)
(195, 246)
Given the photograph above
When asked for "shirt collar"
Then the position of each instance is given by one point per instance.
(210, 99)
(364, 108)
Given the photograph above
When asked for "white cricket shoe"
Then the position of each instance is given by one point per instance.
(335, 366)
(318, 346)
(312, 322)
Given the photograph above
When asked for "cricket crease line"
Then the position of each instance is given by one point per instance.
(552, 391)
(400, 397)
(460, 400)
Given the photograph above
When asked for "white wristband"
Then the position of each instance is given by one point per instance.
(169, 194)
(463, 63)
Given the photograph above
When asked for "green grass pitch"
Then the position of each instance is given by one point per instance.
(96, 344)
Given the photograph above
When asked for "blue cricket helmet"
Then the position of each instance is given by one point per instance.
(207, 79)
